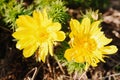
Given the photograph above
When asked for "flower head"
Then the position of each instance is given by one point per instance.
(37, 33)
(88, 43)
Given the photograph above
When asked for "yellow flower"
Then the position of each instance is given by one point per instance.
(88, 43)
(37, 33)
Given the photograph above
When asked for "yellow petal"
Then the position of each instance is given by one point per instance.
(24, 43)
(54, 27)
(95, 27)
(37, 16)
(92, 60)
(109, 49)
(45, 15)
(25, 21)
(50, 48)
(88, 59)
(85, 25)
(97, 33)
(87, 66)
(59, 36)
(29, 51)
(43, 51)
(96, 59)
(69, 54)
(102, 40)
(22, 34)
(80, 59)
(94, 64)
(105, 40)
(75, 26)
(97, 54)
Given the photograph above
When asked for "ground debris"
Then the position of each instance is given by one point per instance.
(111, 18)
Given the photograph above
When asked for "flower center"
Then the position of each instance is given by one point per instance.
(85, 44)
(89, 44)
(42, 36)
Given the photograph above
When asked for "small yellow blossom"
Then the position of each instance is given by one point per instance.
(88, 43)
(37, 34)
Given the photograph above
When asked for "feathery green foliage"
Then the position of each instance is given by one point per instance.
(10, 11)
(56, 9)
(93, 15)
(71, 66)
(75, 67)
